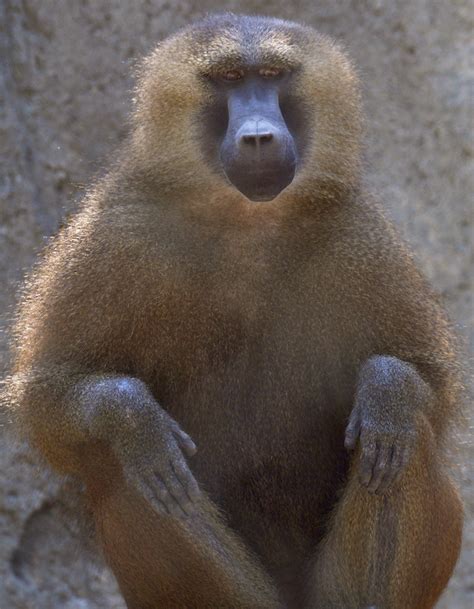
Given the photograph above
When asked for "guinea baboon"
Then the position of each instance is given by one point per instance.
(230, 279)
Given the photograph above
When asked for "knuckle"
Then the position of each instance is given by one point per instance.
(147, 494)
(368, 437)
(145, 468)
(185, 475)
(192, 483)
(395, 473)
(177, 488)
(365, 474)
(168, 500)
(366, 433)
(194, 490)
(350, 437)
(367, 455)
(162, 493)
(368, 425)
(173, 509)
(180, 492)
(366, 462)
(181, 468)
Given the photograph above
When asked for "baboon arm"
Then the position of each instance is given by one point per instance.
(60, 409)
(66, 415)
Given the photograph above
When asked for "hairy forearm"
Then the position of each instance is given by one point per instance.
(59, 409)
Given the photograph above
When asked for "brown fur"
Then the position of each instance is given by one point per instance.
(248, 323)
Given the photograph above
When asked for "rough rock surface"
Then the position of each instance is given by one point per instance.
(65, 89)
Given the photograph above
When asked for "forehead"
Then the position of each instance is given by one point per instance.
(246, 42)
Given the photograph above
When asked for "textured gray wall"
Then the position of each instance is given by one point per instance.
(65, 82)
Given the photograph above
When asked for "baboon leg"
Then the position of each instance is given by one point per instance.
(166, 562)
(396, 550)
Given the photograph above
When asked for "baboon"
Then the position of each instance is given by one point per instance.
(230, 278)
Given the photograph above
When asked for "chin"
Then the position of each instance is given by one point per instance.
(261, 198)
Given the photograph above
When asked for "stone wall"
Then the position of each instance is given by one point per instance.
(65, 87)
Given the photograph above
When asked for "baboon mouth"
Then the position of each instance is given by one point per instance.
(260, 194)
(259, 187)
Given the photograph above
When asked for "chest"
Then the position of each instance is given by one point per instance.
(250, 327)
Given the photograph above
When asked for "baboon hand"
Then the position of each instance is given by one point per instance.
(152, 448)
(390, 396)
(386, 442)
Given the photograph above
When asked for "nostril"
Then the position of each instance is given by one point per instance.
(257, 138)
(265, 137)
(249, 139)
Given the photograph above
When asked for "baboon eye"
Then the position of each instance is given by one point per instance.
(270, 72)
(232, 75)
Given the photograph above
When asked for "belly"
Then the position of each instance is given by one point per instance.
(270, 458)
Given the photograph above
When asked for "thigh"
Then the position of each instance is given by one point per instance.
(193, 562)
(394, 551)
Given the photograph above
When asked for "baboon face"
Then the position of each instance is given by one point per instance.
(263, 104)
(257, 148)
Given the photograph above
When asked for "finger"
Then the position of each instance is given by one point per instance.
(390, 472)
(146, 491)
(187, 480)
(177, 492)
(142, 485)
(185, 442)
(400, 463)
(163, 493)
(367, 460)
(352, 433)
(380, 468)
(174, 501)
